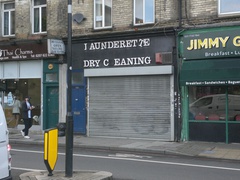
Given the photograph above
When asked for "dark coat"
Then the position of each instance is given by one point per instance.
(25, 110)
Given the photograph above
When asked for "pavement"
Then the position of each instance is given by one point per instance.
(126, 145)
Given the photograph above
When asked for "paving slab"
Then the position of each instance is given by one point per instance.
(187, 148)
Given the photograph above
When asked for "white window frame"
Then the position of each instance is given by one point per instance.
(102, 17)
(144, 14)
(233, 13)
(40, 17)
(9, 11)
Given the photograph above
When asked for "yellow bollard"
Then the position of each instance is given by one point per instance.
(50, 149)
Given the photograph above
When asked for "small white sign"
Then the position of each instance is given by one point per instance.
(56, 46)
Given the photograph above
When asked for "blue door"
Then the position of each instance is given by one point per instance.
(78, 103)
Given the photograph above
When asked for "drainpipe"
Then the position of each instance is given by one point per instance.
(180, 13)
(177, 90)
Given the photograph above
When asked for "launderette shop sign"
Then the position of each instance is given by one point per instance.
(121, 52)
(210, 43)
(117, 61)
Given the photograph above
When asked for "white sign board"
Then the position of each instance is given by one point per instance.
(56, 46)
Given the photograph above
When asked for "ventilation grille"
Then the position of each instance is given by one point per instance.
(163, 58)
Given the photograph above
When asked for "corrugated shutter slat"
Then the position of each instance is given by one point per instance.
(133, 106)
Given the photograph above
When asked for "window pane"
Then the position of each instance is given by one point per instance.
(149, 9)
(40, 16)
(208, 103)
(13, 22)
(44, 19)
(98, 8)
(98, 13)
(103, 13)
(229, 6)
(9, 6)
(20, 89)
(77, 78)
(234, 103)
(36, 20)
(108, 12)
(8, 19)
(6, 23)
(39, 2)
(138, 11)
(51, 77)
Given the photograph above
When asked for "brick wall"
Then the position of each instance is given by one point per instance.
(195, 12)
(166, 15)
(57, 18)
(122, 17)
(202, 9)
(22, 22)
(204, 12)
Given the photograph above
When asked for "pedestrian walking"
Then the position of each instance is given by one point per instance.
(27, 117)
(16, 110)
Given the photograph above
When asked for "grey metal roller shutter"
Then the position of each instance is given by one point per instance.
(130, 106)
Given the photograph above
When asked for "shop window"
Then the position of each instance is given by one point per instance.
(39, 16)
(144, 12)
(228, 7)
(214, 103)
(203, 102)
(11, 89)
(102, 14)
(8, 19)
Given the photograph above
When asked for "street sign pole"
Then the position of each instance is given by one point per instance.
(69, 117)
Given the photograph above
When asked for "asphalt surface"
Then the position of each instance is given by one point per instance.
(158, 147)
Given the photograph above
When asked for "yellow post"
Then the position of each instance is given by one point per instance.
(50, 149)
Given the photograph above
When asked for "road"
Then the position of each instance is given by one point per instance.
(128, 166)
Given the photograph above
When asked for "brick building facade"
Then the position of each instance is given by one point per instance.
(129, 42)
(208, 63)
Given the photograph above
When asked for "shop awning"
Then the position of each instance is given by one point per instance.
(210, 72)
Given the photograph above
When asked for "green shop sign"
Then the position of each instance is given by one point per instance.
(210, 43)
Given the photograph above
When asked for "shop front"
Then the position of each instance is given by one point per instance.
(210, 84)
(21, 75)
(129, 85)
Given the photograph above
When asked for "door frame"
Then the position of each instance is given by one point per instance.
(49, 67)
(81, 84)
(46, 108)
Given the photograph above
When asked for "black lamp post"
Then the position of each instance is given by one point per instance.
(69, 117)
